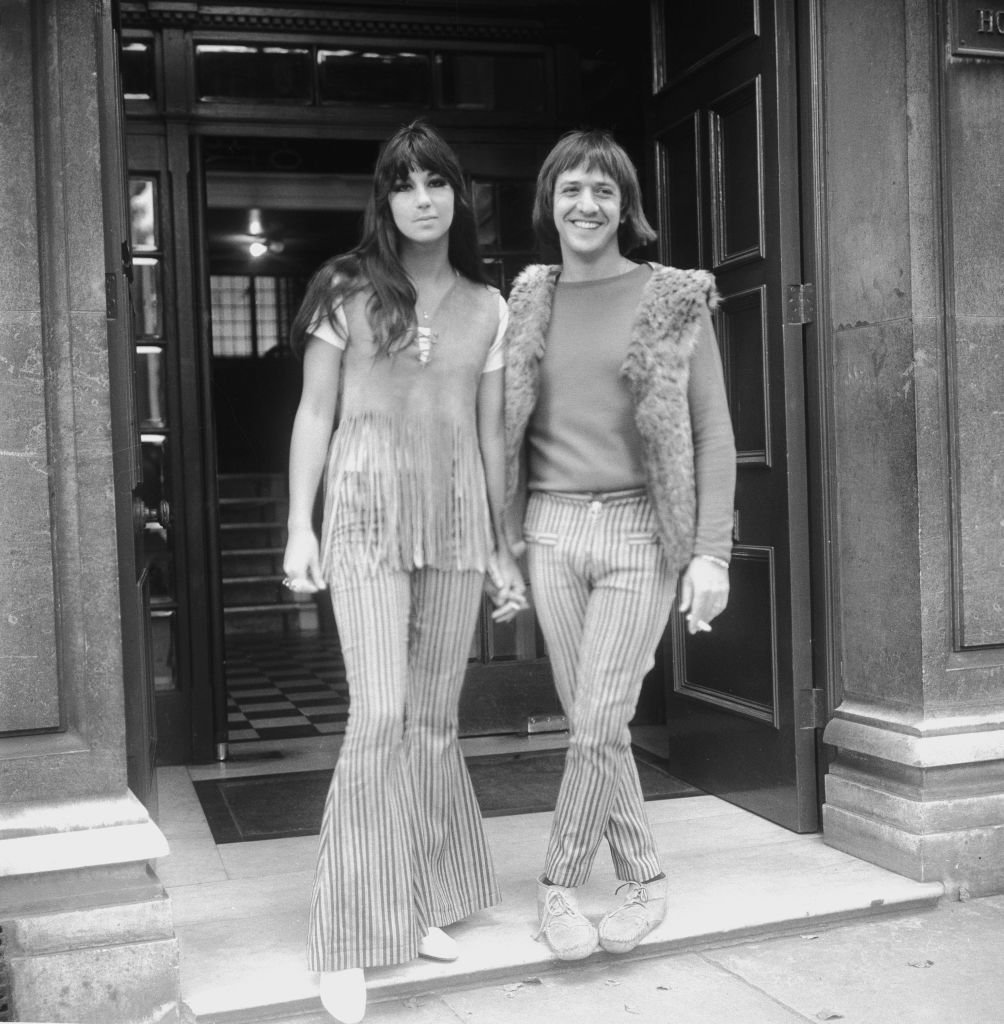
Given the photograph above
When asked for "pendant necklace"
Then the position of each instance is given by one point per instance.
(425, 336)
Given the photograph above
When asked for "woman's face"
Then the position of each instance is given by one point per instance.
(422, 206)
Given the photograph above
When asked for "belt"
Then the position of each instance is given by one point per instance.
(602, 497)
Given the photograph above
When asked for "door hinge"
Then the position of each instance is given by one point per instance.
(127, 261)
(810, 709)
(111, 297)
(801, 303)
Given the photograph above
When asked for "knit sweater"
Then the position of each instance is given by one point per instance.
(667, 326)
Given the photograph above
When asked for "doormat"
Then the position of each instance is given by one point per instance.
(291, 803)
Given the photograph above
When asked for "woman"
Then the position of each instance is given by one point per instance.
(402, 337)
(615, 396)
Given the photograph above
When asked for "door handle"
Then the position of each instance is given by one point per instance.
(143, 514)
(161, 513)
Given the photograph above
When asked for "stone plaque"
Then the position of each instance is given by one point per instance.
(978, 29)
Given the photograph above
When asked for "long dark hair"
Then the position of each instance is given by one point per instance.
(374, 264)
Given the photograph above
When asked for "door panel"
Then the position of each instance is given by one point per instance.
(723, 128)
(137, 670)
(158, 499)
(209, 715)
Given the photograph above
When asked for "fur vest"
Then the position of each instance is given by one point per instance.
(657, 371)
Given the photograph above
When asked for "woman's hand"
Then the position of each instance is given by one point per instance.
(301, 562)
(704, 593)
(504, 585)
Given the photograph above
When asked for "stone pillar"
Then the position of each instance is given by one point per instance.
(915, 226)
(86, 926)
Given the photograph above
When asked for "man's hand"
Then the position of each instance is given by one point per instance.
(704, 593)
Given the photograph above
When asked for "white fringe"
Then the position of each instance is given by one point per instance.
(404, 493)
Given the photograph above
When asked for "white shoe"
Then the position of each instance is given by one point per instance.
(569, 933)
(643, 909)
(343, 994)
(437, 945)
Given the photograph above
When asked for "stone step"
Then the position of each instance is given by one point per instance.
(252, 564)
(734, 878)
(233, 485)
(266, 608)
(265, 524)
(252, 509)
(273, 579)
(233, 553)
(309, 1011)
(252, 618)
(251, 536)
(254, 590)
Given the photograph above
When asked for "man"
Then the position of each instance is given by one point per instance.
(618, 427)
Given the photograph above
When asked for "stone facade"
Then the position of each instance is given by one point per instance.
(87, 927)
(911, 215)
(914, 207)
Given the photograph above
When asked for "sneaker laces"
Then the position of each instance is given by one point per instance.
(556, 905)
(637, 897)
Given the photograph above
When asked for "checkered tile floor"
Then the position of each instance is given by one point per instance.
(285, 687)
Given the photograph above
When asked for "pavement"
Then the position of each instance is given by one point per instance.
(941, 965)
(763, 927)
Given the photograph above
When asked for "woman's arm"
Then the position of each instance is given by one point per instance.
(509, 589)
(308, 448)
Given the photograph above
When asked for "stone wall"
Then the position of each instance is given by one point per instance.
(914, 204)
(87, 925)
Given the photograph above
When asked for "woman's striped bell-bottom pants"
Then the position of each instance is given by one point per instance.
(402, 846)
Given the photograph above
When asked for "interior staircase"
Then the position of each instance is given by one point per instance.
(252, 537)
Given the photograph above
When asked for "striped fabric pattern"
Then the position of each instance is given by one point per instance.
(402, 846)
(603, 592)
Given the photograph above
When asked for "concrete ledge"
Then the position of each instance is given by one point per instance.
(911, 811)
(87, 923)
(966, 861)
(399, 984)
(914, 741)
(64, 835)
(91, 945)
(135, 983)
(924, 798)
(733, 877)
(90, 926)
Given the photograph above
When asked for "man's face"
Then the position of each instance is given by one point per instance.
(587, 212)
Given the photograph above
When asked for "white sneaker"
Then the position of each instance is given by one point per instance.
(569, 933)
(437, 945)
(343, 994)
(643, 909)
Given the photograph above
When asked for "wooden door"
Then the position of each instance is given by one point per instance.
(133, 554)
(724, 132)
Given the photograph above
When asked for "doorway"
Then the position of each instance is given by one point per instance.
(742, 703)
(280, 134)
(274, 210)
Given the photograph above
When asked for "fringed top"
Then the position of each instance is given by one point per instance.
(405, 493)
(405, 484)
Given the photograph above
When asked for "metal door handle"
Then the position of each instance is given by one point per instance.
(144, 514)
